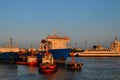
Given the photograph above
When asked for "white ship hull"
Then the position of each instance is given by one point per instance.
(109, 54)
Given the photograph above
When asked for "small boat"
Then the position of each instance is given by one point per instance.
(74, 65)
(32, 60)
(47, 65)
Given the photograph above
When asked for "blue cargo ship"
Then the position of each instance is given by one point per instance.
(57, 46)
(60, 54)
(9, 53)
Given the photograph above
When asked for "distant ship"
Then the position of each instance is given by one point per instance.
(56, 45)
(10, 47)
(99, 51)
(9, 53)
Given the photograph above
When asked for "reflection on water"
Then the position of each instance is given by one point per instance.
(93, 69)
(32, 69)
(7, 70)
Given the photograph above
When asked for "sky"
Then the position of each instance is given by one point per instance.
(86, 22)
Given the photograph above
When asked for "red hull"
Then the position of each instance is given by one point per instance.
(27, 63)
(22, 63)
(32, 63)
(52, 66)
(47, 68)
(43, 66)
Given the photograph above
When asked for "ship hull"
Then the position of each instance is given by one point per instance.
(99, 54)
(60, 54)
(8, 57)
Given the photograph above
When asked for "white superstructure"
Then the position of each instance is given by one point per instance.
(115, 45)
(54, 42)
(9, 48)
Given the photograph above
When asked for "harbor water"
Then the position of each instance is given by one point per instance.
(94, 68)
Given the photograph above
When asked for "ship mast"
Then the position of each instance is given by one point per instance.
(11, 42)
(115, 38)
(86, 43)
(54, 32)
(76, 44)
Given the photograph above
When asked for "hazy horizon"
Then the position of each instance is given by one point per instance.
(86, 22)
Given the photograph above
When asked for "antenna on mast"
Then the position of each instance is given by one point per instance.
(54, 32)
(76, 44)
(31, 46)
(11, 42)
(115, 38)
(86, 42)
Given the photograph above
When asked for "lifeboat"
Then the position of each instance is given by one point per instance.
(47, 65)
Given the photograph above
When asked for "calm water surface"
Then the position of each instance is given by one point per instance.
(106, 68)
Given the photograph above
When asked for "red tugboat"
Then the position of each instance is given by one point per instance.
(32, 60)
(47, 65)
